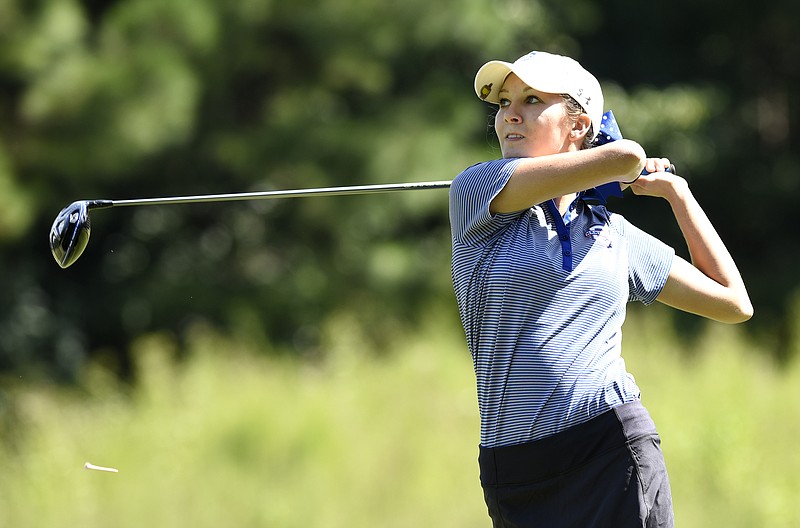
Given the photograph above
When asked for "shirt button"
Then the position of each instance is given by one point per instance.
(567, 253)
(564, 238)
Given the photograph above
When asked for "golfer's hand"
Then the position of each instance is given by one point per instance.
(658, 183)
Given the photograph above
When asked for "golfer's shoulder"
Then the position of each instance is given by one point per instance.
(485, 174)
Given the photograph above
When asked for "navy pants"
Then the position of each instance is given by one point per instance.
(607, 472)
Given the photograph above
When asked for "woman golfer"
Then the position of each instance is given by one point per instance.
(542, 278)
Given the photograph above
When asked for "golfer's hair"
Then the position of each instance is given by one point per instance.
(574, 110)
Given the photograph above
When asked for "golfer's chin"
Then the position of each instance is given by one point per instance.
(517, 149)
(512, 152)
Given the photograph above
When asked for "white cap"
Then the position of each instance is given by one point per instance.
(546, 73)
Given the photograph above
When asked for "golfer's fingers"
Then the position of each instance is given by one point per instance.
(656, 164)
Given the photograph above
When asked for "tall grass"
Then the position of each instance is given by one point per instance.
(228, 438)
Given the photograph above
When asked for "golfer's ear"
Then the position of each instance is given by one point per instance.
(581, 126)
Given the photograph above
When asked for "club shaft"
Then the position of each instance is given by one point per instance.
(288, 193)
(291, 193)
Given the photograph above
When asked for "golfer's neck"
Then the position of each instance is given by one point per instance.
(563, 202)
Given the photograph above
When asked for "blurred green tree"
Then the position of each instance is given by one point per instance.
(139, 98)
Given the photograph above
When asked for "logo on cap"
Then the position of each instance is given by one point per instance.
(486, 90)
(587, 99)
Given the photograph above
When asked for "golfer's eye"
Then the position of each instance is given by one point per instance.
(531, 99)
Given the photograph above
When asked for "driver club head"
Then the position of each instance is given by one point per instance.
(70, 233)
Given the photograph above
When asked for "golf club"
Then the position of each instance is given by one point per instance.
(71, 228)
(69, 234)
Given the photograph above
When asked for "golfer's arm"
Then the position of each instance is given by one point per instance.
(542, 178)
(711, 286)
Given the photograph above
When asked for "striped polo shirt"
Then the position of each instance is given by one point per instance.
(542, 301)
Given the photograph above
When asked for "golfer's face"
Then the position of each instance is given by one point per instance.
(530, 123)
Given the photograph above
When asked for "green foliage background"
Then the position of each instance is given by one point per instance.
(242, 305)
(139, 98)
(240, 439)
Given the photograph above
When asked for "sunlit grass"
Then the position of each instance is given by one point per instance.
(229, 438)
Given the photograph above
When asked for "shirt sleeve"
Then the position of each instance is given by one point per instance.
(471, 193)
(649, 263)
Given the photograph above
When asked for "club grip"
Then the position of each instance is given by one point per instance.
(670, 169)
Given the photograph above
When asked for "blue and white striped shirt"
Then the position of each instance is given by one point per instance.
(542, 312)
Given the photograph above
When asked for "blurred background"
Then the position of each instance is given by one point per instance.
(300, 362)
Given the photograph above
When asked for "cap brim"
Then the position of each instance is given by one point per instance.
(491, 76)
(489, 80)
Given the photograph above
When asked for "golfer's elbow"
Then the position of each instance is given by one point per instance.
(738, 311)
(745, 311)
(630, 157)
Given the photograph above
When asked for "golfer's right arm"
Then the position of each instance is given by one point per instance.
(541, 178)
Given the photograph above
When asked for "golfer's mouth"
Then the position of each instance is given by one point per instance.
(513, 137)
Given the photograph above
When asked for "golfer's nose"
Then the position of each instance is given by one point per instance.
(512, 115)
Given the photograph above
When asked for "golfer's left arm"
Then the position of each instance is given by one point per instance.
(711, 285)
